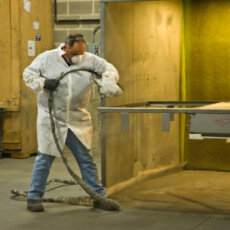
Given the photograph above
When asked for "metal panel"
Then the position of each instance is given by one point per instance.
(102, 23)
(215, 122)
(165, 123)
(103, 117)
(2, 110)
(179, 103)
(210, 125)
(163, 110)
(129, 0)
(125, 121)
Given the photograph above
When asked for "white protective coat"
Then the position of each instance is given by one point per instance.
(70, 98)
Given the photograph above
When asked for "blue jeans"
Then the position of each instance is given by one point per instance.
(85, 161)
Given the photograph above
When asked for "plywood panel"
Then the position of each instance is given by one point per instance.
(19, 123)
(119, 50)
(119, 45)
(143, 42)
(119, 151)
(154, 29)
(41, 11)
(10, 50)
(10, 73)
(5, 46)
(15, 48)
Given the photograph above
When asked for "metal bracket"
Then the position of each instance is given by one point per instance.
(165, 122)
(125, 121)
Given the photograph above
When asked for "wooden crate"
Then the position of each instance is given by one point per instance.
(21, 21)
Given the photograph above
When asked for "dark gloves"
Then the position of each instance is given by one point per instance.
(51, 84)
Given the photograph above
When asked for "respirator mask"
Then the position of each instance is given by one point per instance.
(76, 59)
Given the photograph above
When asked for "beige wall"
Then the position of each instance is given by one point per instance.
(143, 41)
(76, 16)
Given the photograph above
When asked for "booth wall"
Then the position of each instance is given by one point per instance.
(207, 61)
(142, 39)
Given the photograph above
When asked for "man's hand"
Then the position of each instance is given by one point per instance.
(109, 87)
(51, 84)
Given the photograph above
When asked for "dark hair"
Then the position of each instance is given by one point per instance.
(74, 38)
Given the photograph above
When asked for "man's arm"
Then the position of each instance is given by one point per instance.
(32, 75)
(108, 82)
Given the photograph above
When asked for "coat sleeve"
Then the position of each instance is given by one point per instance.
(32, 74)
(104, 68)
(109, 77)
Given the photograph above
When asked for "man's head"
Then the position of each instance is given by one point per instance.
(75, 45)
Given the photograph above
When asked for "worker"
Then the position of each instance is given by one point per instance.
(72, 120)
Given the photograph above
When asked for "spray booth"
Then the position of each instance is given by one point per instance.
(171, 55)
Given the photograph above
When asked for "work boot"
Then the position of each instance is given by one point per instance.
(35, 205)
(96, 204)
(109, 205)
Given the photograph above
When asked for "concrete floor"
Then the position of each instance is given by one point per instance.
(182, 201)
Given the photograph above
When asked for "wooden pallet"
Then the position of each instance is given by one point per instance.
(17, 155)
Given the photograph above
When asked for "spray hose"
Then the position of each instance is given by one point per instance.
(105, 203)
(62, 75)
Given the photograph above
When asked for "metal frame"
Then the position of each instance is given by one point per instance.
(130, 0)
(2, 110)
(179, 103)
(102, 23)
(167, 116)
(162, 110)
(167, 113)
(103, 102)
